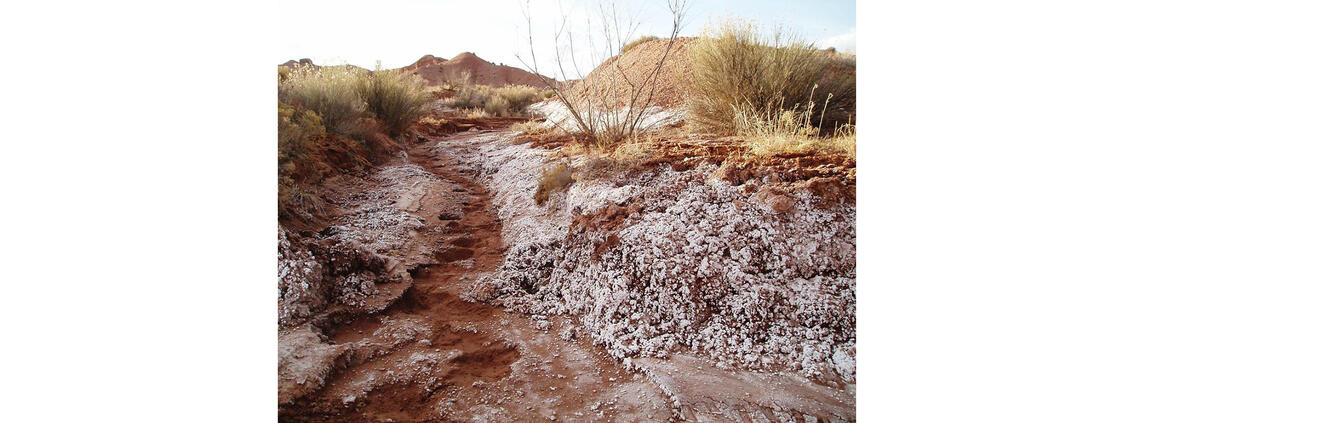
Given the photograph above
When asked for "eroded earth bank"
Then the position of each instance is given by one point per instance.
(441, 290)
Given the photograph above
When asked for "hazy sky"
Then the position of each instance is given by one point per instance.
(398, 32)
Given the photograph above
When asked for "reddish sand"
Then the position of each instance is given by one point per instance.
(639, 64)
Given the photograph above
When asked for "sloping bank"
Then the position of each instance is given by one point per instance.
(663, 261)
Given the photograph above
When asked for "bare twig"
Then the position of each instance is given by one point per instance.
(596, 108)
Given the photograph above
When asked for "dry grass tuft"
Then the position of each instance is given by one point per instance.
(554, 179)
(638, 41)
(787, 131)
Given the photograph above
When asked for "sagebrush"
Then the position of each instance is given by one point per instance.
(396, 98)
(331, 92)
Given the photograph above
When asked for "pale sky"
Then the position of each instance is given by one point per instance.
(398, 32)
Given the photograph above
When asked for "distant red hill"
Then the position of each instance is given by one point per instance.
(437, 70)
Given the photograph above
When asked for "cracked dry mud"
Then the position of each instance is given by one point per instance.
(429, 355)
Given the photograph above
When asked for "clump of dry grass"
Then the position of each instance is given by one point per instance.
(396, 98)
(738, 70)
(776, 131)
(638, 41)
(554, 179)
(510, 100)
(531, 128)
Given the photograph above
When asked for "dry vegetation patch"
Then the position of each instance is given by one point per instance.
(554, 179)
(510, 100)
(778, 92)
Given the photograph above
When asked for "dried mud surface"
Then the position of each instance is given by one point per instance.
(377, 323)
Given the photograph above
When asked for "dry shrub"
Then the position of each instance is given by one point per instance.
(510, 100)
(330, 92)
(295, 129)
(738, 69)
(496, 106)
(613, 115)
(396, 98)
(554, 179)
(638, 41)
(458, 79)
(519, 97)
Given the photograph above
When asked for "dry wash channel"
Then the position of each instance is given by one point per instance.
(373, 326)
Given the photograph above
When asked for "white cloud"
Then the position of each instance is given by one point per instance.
(844, 43)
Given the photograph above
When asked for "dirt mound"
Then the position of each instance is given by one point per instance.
(438, 71)
(638, 64)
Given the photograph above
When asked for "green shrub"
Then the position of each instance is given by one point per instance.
(330, 92)
(737, 70)
(638, 41)
(396, 98)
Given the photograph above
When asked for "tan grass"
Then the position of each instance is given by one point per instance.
(510, 100)
(638, 41)
(554, 179)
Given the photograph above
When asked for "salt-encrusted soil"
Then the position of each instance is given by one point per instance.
(665, 261)
(623, 304)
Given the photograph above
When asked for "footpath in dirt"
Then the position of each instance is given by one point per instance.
(431, 356)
